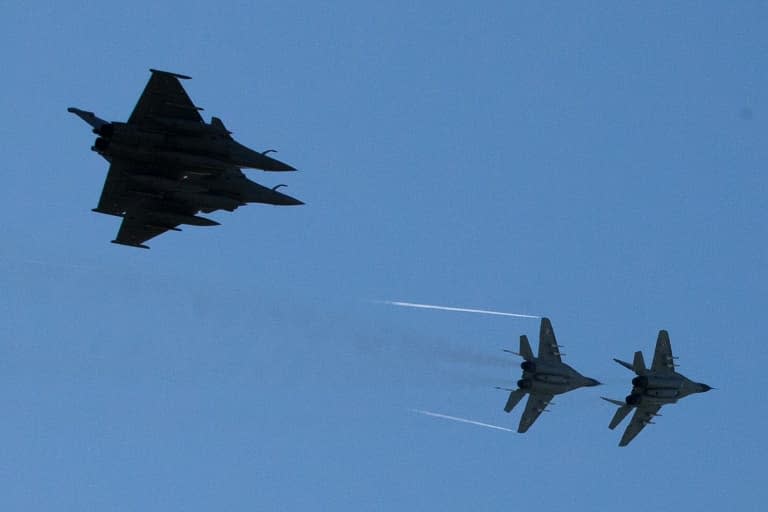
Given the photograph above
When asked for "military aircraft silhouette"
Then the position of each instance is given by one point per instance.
(543, 377)
(167, 164)
(652, 388)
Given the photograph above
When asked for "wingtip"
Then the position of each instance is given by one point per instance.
(129, 244)
(279, 167)
(625, 364)
(171, 73)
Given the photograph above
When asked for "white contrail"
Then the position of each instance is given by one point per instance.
(461, 310)
(462, 420)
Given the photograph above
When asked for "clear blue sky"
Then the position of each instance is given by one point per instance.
(601, 164)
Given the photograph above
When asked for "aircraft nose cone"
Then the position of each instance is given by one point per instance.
(593, 382)
(258, 160)
(705, 388)
(289, 201)
(281, 199)
(280, 166)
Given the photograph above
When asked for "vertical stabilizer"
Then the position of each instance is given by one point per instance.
(638, 364)
(525, 348)
(218, 125)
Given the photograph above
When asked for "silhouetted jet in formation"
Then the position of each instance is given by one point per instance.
(167, 164)
(543, 377)
(652, 388)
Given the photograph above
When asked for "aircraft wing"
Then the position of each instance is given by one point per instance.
(114, 200)
(548, 349)
(537, 403)
(137, 228)
(663, 362)
(164, 97)
(152, 201)
(149, 217)
(642, 417)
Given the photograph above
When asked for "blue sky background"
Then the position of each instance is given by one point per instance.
(601, 164)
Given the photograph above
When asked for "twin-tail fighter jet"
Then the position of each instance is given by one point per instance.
(167, 165)
(543, 377)
(652, 388)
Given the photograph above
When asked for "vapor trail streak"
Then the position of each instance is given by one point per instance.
(461, 310)
(462, 420)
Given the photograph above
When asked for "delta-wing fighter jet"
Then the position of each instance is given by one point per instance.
(543, 377)
(652, 388)
(167, 164)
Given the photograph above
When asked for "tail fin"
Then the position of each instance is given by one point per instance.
(638, 364)
(525, 348)
(514, 398)
(88, 117)
(218, 124)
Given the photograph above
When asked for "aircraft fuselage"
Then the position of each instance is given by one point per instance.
(551, 379)
(208, 148)
(661, 389)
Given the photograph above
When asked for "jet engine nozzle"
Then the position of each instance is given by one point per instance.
(528, 366)
(641, 381)
(106, 130)
(101, 144)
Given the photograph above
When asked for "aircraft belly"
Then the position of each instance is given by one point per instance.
(549, 378)
(654, 400)
(199, 145)
(212, 201)
(168, 155)
(665, 393)
(550, 388)
(663, 382)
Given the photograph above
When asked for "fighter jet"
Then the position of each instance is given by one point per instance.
(543, 377)
(652, 388)
(167, 164)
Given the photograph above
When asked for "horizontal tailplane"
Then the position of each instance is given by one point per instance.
(88, 117)
(525, 348)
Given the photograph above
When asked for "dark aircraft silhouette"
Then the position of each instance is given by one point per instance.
(167, 165)
(652, 388)
(543, 377)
